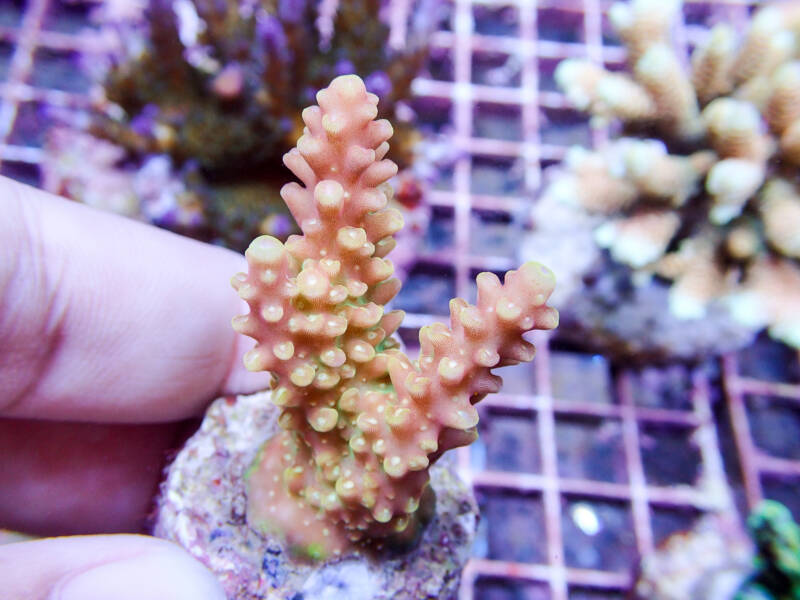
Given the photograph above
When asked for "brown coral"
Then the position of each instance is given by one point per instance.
(362, 422)
(713, 196)
(216, 86)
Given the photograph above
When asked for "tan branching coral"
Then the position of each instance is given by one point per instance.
(711, 201)
(656, 92)
(780, 208)
(769, 42)
(770, 297)
(362, 422)
(640, 238)
(643, 24)
(607, 95)
(711, 64)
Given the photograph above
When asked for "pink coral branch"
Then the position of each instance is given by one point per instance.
(363, 423)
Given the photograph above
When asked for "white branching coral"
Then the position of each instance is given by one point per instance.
(362, 422)
(710, 201)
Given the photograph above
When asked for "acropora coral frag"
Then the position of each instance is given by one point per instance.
(702, 191)
(362, 422)
(215, 86)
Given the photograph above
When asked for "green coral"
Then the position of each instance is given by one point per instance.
(777, 562)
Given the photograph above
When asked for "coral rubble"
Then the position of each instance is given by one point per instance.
(215, 87)
(701, 191)
(708, 562)
(361, 422)
(715, 561)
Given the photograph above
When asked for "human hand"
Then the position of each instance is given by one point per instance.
(112, 335)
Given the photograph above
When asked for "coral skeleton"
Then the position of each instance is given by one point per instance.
(701, 189)
(362, 422)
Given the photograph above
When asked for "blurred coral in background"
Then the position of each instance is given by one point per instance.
(700, 191)
(200, 99)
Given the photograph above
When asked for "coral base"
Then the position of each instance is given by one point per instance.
(633, 324)
(203, 508)
(304, 529)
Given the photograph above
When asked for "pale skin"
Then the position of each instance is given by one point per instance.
(114, 337)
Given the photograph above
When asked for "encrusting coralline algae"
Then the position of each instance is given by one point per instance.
(362, 422)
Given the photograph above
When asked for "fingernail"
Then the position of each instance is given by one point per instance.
(150, 576)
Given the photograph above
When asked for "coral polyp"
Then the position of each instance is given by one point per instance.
(361, 421)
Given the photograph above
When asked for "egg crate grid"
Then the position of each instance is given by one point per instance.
(582, 467)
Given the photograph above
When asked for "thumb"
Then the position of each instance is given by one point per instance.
(122, 567)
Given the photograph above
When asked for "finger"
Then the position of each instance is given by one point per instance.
(68, 478)
(107, 319)
(123, 567)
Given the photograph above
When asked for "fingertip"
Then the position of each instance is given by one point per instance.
(122, 567)
(157, 574)
(137, 298)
